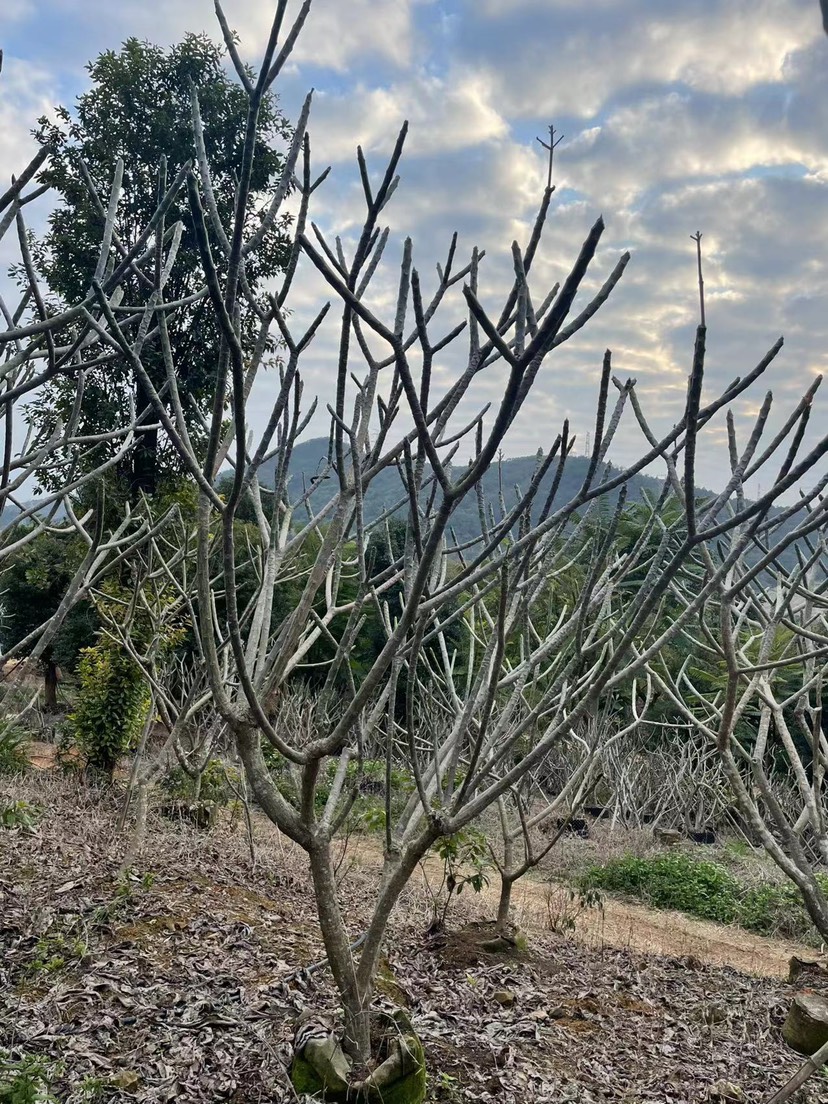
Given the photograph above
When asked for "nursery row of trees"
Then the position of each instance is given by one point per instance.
(320, 641)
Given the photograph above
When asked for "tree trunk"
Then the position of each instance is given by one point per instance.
(139, 832)
(815, 904)
(50, 684)
(356, 1000)
(806, 1028)
(505, 903)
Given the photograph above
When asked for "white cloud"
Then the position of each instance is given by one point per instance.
(675, 136)
(26, 92)
(566, 58)
(709, 114)
(14, 10)
(335, 35)
(445, 114)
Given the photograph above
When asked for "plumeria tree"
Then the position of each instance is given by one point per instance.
(763, 634)
(469, 723)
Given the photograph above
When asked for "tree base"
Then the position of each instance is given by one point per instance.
(483, 941)
(806, 1028)
(808, 974)
(320, 1068)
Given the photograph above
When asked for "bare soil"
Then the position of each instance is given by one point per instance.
(183, 982)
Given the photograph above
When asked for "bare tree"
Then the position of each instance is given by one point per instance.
(665, 774)
(37, 344)
(500, 709)
(531, 809)
(151, 622)
(764, 631)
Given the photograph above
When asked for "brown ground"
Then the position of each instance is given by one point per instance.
(628, 926)
(183, 984)
(637, 928)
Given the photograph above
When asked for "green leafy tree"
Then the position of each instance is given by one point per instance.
(33, 586)
(139, 109)
(114, 694)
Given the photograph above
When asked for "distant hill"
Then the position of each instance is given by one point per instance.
(386, 490)
(11, 513)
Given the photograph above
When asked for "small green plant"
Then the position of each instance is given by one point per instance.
(112, 705)
(122, 902)
(13, 758)
(466, 859)
(564, 904)
(370, 817)
(25, 1079)
(447, 1087)
(128, 883)
(465, 862)
(91, 1090)
(20, 815)
(54, 951)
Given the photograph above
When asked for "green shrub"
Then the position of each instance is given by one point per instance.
(214, 787)
(13, 759)
(671, 881)
(113, 699)
(772, 909)
(705, 889)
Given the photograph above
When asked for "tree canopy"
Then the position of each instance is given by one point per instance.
(139, 109)
(34, 583)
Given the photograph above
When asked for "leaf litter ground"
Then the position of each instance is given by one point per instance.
(182, 982)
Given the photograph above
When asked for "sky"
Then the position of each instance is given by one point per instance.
(706, 115)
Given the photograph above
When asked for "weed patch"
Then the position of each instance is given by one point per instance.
(20, 815)
(704, 889)
(13, 759)
(25, 1079)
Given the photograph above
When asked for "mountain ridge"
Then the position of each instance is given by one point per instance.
(503, 477)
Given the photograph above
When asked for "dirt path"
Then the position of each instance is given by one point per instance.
(628, 926)
(651, 931)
